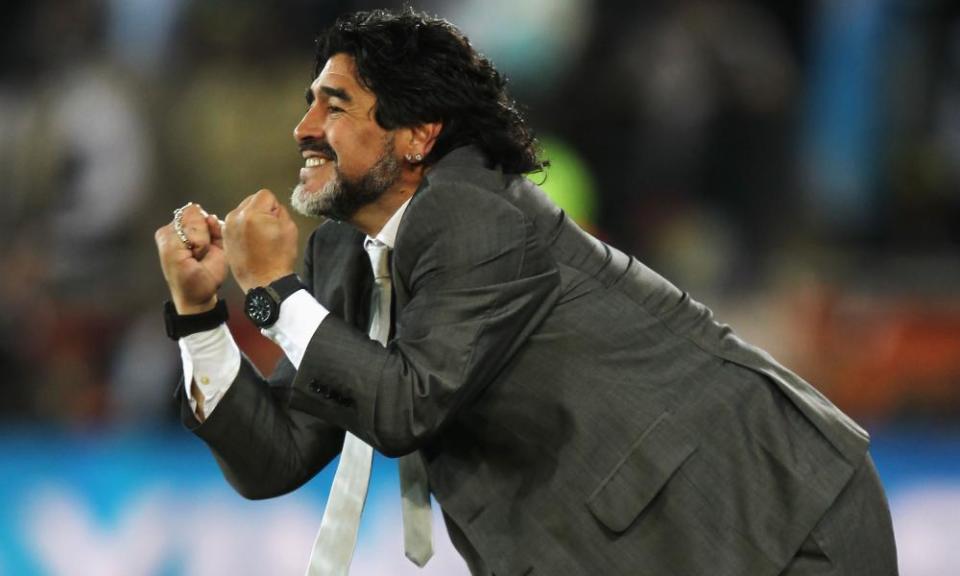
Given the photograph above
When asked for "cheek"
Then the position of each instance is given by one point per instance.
(344, 145)
(358, 147)
(352, 155)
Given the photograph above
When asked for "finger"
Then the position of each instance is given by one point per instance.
(264, 201)
(171, 249)
(193, 214)
(190, 229)
(192, 218)
(244, 203)
(167, 240)
(215, 226)
(198, 237)
(193, 206)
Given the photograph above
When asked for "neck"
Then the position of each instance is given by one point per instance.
(371, 218)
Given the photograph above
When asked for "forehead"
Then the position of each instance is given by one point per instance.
(340, 73)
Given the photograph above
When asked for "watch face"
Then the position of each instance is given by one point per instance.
(259, 307)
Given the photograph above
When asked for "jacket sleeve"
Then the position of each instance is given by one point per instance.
(479, 283)
(264, 448)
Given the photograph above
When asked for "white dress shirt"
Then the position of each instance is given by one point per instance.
(211, 359)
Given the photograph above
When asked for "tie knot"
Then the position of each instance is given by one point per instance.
(378, 253)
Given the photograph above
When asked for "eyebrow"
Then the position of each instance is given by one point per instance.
(329, 91)
(336, 93)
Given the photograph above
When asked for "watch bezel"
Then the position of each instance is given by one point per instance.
(273, 295)
(258, 301)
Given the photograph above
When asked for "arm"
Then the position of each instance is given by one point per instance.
(479, 282)
(263, 448)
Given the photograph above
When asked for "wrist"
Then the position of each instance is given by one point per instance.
(185, 307)
(266, 279)
(262, 303)
(179, 325)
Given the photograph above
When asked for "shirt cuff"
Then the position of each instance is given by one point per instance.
(300, 316)
(211, 360)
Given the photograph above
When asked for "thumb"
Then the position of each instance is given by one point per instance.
(215, 226)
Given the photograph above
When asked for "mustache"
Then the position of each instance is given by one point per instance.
(317, 145)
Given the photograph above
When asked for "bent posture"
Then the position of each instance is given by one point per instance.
(571, 411)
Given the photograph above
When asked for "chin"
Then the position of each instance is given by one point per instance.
(308, 202)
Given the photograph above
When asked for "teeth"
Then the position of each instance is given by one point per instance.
(315, 161)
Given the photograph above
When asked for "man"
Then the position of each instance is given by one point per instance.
(572, 411)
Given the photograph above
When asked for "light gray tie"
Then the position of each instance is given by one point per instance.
(337, 538)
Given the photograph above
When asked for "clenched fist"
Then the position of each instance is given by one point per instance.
(260, 240)
(195, 269)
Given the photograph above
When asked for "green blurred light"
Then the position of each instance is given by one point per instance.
(568, 182)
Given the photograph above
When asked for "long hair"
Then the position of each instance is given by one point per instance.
(423, 69)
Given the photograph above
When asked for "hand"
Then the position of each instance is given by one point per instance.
(260, 240)
(193, 274)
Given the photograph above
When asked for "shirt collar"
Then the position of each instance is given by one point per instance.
(388, 234)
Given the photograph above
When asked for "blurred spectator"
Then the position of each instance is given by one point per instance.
(776, 160)
(78, 181)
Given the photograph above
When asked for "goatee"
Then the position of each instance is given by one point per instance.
(341, 197)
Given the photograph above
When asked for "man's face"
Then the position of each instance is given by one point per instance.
(349, 160)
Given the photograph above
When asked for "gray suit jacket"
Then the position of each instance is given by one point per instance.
(577, 413)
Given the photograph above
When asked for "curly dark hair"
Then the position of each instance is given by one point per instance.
(423, 69)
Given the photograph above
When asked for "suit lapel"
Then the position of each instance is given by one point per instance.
(400, 294)
(342, 278)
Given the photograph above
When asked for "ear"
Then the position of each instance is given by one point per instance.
(422, 138)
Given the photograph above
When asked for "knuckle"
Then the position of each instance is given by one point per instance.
(263, 197)
(193, 215)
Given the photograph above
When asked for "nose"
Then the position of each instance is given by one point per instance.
(311, 125)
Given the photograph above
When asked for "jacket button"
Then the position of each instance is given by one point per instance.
(314, 386)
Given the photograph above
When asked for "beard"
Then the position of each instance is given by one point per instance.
(341, 197)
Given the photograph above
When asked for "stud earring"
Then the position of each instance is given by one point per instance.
(418, 157)
(409, 158)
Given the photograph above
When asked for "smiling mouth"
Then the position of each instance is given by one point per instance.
(314, 161)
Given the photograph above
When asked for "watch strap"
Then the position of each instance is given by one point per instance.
(282, 288)
(180, 325)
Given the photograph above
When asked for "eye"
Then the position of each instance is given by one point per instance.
(334, 109)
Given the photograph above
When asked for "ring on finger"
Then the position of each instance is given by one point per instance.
(178, 228)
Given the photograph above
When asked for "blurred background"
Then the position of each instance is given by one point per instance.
(795, 165)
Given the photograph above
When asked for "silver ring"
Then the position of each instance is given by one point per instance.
(178, 228)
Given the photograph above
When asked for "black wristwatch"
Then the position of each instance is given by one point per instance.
(262, 305)
(180, 325)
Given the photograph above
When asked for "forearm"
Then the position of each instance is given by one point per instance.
(264, 448)
(211, 361)
(397, 398)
